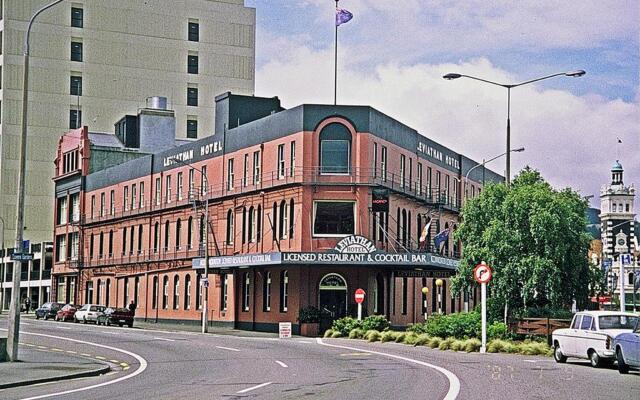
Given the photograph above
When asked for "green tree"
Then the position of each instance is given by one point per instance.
(535, 240)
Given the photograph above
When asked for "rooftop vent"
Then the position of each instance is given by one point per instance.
(157, 102)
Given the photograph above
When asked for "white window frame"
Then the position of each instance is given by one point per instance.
(167, 189)
(230, 174)
(322, 172)
(281, 166)
(179, 188)
(292, 158)
(403, 171)
(355, 219)
(383, 163)
(245, 171)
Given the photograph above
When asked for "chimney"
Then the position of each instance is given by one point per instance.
(157, 125)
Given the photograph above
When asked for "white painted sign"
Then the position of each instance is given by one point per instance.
(284, 330)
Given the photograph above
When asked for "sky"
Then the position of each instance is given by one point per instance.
(392, 55)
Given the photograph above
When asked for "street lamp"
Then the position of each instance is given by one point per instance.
(425, 292)
(451, 76)
(466, 177)
(205, 305)
(14, 311)
(2, 251)
(439, 283)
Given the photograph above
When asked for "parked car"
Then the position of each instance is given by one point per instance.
(66, 313)
(591, 336)
(627, 347)
(116, 316)
(48, 310)
(88, 313)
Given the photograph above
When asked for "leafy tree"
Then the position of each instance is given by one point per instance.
(535, 240)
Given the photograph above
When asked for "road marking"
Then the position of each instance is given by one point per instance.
(124, 364)
(305, 341)
(85, 354)
(530, 361)
(54, 349)
(115, 361)
(454, 382)
(283, 365)
(72, 352)
(254, 387)
(228, 348)
(354, 354)
(141, 367)
(100, 358)
(41, 347)
(161, 338)
(63, 327)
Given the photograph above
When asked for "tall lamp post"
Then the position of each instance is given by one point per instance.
(14, 310)
(2, 251)
(205, 302)
(451, 76)
(439, 283)
(466, 177)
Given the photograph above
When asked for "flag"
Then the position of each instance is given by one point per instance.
(441, 238)
(425, 231)
(619, 140)
(635, 243)
(342, 16)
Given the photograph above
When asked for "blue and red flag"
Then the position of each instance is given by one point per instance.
(342, 16)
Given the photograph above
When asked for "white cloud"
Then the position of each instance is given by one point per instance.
(570, 139)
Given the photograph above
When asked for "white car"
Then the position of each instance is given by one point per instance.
(88, 313)
(591, 335)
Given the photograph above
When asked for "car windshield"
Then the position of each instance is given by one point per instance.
(617, 322)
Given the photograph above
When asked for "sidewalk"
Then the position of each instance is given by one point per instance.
(216, 330)
(43, 366)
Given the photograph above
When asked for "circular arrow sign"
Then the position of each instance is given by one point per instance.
(359, 296)
(482, 273)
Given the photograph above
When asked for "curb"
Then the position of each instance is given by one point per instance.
(94, 372)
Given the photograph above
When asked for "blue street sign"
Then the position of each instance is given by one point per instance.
(626, 259)
(606, 262)
(25, 245)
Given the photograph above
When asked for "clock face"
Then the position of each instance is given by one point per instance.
(621, 242)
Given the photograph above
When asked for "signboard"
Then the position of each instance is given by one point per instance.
(482, 273)
(380, 200)
(22, 257)
(284, 330)
(204, 282)
(422, 274)
(626, 259)
(359, 296)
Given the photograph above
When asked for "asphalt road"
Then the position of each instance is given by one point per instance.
(183, 365)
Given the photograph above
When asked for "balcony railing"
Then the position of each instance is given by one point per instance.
(298, 176)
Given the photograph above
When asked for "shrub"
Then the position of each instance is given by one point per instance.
(446, 343)
(434, 342)
(418, 328)
(328, 333)
(336, 334)
(377, 322)
(356, 334)
(457, 345)
(374, 336)
(458, 325)
(410, 338)
(388, 336)
(345, 325)
(422, 340)
(533, 348)
(471, 345)
(309, 315)
(497, 330)
(367, 333)
(496, 346)
(400, 337)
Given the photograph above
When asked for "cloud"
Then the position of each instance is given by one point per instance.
(571, 139)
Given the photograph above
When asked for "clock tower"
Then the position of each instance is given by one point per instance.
(617, 215)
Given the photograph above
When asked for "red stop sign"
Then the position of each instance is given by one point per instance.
(359, 296)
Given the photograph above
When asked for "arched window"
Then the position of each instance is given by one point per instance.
(335, 149)
(407, 230)
(259, 224)
(291, 221)
(154, 295)
(124, 241)
(403, 228)
(165, 292)
(446, 242)
(274, 221)
(198, 291)
(230, 233)
(378, 295)
(156, 236)
(187, 292)
(101, 245)
(284, 291)
(176, 292)
(99, 292)
(246, 292)
(140, 235)
(91, 240)
(225, 291)
(111, 243)
(201, 233)
(126, 292)
(456, 244)
(284, 216)
(136, 291)
(398, 227)
(266, 292)
(190, 233)
(178, 233)
(244, 225)
(166, 236)
(107, 292)
(131, 238)
(252, 225)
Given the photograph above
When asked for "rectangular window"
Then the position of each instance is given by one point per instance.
(192, 96)
(179, 189)
(375, 160)
(429, 187)
(246, 292)
(410, 180)
(75, 86)
(292, 158)
(61, 248)
(192, 64)
(75, 207)
(76, 51)
(112, 202)
(125, 198)
(192, 129)
(284, 291)
(194, 32)
(383, 163)
(102, 204)
(93, 204)
(402, 170)
(256, 167)
(281, 164)
(445, 190)
(75, 118)
(134, 197)
(77, 17)
(334, 218)
(335, 156)
(230, 175)
(419, 183)
(437, 185)
(203, 180)
(168, 189)
(245, 169)
(62, 210)
(225, 292)
(141, 194)
(191, 176)
(404, 296)
(158, 192)
(266, 292)
(75, 245)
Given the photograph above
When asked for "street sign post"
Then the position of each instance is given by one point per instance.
(359, 296)
(482, 274)
(284, 330)
(22, 256)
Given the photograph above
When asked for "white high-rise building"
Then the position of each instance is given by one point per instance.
(93, 61)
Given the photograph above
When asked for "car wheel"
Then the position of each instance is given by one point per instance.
(120, 325)
(46, 317)
(37, 317)
(596, 361)
(106, 322)
(557, 354)
(84, 320)
(56, 319)
(623, 367)
(130, 325)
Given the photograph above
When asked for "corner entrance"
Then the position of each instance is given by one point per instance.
(332, 300)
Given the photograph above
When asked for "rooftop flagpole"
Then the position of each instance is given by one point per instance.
(335, 61)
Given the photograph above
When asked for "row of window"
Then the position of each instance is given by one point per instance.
(620, 207)
(65, 213)
(266, 291)
(281, 221)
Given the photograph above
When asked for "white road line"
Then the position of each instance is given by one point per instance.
(227, 348)
(254, 387)
(454, 382)
(141, 367)
(161, 338)
(63, 327)
(283, 365)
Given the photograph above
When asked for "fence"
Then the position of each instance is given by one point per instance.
(538, 326)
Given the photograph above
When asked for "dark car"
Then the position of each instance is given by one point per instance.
(116, 316)
(48, 310)
(66, 313)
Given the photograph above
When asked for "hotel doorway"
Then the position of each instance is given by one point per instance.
(332, 300)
